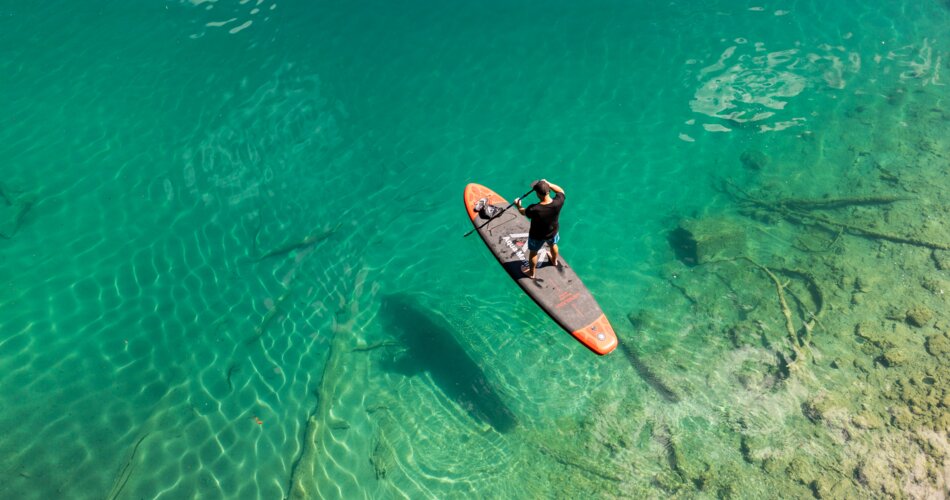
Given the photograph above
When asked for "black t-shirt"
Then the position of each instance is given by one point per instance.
(544, 224)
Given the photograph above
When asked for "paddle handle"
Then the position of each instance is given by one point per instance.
(499, 213)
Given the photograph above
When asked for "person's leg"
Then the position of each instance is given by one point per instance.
(533, 258)
(553, 244)
(533, 247)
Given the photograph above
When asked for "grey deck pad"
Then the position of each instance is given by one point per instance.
(557, 290)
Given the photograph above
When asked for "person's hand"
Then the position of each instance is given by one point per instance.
(518, 202)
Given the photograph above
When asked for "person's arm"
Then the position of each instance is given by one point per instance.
(518, 204)
(555, 187)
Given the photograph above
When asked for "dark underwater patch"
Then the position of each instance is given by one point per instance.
(431, 347)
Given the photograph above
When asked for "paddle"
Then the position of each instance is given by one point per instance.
(499, 213)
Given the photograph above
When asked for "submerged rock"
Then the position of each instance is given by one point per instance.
(824, 487)
(877, 475)
(867, 420)
(942, 259)
(697, 241)
(934, 286)
(801, 470)
(756, 375)
(901, 417)
(872, 334)
(754, 160)
(816, 408)
(894, 357)
(939, 346)
(919, 316)
(863, 284)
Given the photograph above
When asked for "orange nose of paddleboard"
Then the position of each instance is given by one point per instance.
(598, 336)
(475, 192)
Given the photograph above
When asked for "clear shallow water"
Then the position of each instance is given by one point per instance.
(148, 350)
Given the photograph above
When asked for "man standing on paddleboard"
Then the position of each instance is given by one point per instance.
(544, 222)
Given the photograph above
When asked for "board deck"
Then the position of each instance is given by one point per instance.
(557, 290)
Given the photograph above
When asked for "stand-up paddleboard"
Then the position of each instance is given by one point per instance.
(557, 290)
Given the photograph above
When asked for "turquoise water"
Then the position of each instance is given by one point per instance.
(153, 154)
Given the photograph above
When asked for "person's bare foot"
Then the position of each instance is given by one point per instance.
(527, 272)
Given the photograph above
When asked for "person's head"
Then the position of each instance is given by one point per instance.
(541, 189)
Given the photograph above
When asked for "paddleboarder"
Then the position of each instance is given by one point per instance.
(561, 294)
(544, 222)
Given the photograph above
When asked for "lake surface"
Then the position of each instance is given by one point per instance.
(206, 205)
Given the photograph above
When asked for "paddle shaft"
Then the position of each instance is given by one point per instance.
(499, 213)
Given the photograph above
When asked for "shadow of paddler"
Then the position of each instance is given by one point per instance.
(429, 345)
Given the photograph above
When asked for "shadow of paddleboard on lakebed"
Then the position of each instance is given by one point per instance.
(430, 346)
(648, 375)
(641, 321)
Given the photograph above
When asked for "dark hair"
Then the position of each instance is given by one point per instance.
(542, 188)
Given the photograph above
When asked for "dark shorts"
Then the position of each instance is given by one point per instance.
(535, 245)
